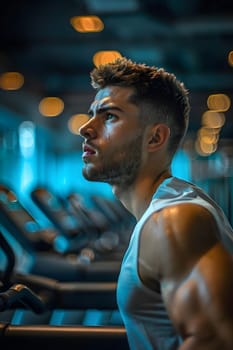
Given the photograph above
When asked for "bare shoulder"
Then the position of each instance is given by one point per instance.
(173, 238)
(185, 219)
(200, 304)
(180, 218)
(195, 271)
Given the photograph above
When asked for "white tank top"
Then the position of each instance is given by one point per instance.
(142, 309)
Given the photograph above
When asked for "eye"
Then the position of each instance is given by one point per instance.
(110, 117)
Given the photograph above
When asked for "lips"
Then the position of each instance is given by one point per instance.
(88, 151)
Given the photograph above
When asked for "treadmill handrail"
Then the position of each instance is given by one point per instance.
(70, 295)
(19, 293)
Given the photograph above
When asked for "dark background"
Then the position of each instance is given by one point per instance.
(190, 38)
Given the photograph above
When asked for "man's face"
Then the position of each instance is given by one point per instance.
(113, 137)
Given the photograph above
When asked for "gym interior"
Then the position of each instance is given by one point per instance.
(62, 238)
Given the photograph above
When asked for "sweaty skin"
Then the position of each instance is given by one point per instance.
(178, 245)
(196, 275)
(105, 163)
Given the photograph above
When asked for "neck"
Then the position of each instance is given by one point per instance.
(138, 197)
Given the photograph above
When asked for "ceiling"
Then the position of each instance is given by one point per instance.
(190, 38)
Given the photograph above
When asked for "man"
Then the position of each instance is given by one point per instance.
(175, 288)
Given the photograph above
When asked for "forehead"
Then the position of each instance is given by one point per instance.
(112, 95)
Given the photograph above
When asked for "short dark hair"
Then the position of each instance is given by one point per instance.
(159, 93)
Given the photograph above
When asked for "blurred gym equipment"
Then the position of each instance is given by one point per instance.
(36, 254)
(37, 310)
(58, 302)
(103, 229)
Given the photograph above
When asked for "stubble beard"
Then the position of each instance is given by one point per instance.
(121, 170)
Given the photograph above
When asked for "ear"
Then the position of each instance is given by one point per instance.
(158, 137)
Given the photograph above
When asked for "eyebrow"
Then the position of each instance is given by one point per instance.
(104, 109)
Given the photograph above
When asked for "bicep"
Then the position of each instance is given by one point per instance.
(201, 305)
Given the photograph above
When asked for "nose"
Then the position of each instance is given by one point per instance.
(87, 130)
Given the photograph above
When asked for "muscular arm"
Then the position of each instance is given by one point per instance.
(202, 304)
(196, 274)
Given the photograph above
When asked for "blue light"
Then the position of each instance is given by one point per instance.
(27, 138)
(181, 165)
